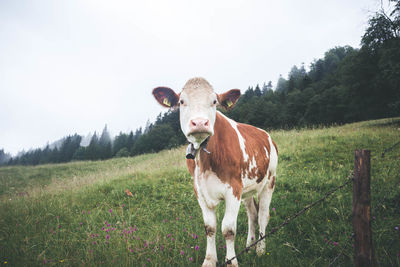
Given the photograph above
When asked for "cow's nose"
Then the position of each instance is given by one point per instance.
(200, 125)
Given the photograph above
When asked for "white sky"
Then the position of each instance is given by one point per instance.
(73, 66)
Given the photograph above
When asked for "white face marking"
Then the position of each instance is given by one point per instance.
(197, 101)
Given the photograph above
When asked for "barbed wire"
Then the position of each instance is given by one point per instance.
(382, 200)
(342, 250)
(389, 149)
(290, 218)
(297, 214)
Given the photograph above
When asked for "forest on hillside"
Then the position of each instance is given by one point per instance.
(346, 85)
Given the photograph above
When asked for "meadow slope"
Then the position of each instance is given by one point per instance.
(79, 213)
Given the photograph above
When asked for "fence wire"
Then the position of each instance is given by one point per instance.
(290, 218)
(382, 200)
(389, 149)
(297, 214)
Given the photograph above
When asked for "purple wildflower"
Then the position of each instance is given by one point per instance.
(110, 210)
(59, 226)
(148, 259)
(196, 247)
(335, 243)
(273, 209)
(168, 235)
(107, 237)
(172, 239)
(191, 259)
(182, 252)
(88, 212)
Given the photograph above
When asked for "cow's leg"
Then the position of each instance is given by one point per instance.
(252, 220)
(232, 205)
(210, 225)
(263, 213)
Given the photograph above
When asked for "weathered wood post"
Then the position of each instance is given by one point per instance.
(363, 249)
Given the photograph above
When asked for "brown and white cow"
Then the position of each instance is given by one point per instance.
(232, 162)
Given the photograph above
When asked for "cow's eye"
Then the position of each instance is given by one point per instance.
(181, 102)
(215, 102)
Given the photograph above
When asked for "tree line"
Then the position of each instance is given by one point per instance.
(346, 85)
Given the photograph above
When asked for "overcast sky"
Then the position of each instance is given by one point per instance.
(73, 66)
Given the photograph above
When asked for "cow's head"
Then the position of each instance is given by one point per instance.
(197, 104)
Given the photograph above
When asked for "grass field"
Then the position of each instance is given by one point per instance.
(78, 214)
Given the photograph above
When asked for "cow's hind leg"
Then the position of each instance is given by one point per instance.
(263, 213)
(232, 205)
(251, 210)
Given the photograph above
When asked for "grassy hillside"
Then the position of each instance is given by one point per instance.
(79, 214)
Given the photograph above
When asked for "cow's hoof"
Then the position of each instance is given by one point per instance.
(260, 248)
(233, 263)
(209, 262)
(250, 249)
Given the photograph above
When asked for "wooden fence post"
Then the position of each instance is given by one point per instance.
(363, 249)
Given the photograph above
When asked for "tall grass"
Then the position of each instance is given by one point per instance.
(79, 213)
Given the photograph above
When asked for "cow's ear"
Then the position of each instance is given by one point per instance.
(229, 98)
(166, 96)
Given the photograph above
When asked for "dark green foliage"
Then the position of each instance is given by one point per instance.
(4, 157)
(123, 152)
(345, 85)
(165, 133)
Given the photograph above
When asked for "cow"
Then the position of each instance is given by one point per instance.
(228, 161)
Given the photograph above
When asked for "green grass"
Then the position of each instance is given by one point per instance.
(78, 213)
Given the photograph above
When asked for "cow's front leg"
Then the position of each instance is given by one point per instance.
(232, 205)
(210, 225)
